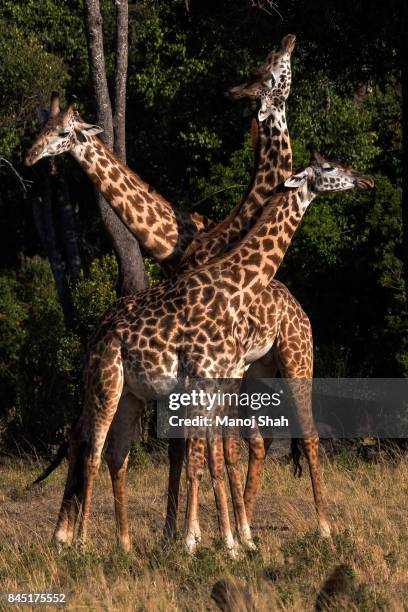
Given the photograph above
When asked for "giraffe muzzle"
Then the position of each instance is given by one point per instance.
(288, 43)
(365, 182)
(32, 156)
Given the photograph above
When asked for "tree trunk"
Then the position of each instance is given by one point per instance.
(119, 118)
(132, 277)
(67, 224)
(44, 222)
(404, 80)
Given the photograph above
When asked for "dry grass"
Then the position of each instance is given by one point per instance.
(367, 505)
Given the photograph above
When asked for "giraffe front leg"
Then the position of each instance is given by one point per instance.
(265, 367)
(232, 457)
(216, 465)
(195, 469)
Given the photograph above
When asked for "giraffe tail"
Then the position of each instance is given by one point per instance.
(296, 453)
(62, 453)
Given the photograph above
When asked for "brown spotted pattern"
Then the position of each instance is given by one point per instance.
(163, 231)
(195, 327)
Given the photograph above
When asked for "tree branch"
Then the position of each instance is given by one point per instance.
(23, 182)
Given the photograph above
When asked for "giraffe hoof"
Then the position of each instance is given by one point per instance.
(232, 546)
(191, 542)
(233, 551)
(324, 530)
(250, 545)
(61, 539)
(124, 544)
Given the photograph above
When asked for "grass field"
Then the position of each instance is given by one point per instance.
(367, 504)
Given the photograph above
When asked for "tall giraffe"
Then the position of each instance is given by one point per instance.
(195, 327)
(273, 157)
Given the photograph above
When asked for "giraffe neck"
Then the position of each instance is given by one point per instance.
(273, 165)
(163, 232)
(245, 271)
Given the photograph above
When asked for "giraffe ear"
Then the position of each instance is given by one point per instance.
(88, 129)
(296, 179)
(264, 111)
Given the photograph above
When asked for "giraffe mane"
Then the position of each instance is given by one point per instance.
(218, 261)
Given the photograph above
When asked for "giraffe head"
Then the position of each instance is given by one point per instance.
(270, 85)
(63, 130)
(327, 176)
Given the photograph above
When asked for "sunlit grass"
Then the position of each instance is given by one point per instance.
(366, 503)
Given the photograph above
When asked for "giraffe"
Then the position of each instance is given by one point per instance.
(196, 324)
(164, 231)
(272, 167)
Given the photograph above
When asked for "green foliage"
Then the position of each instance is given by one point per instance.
(345, 263)
(34, 391)
(323, 113)
(95, 292)
(153, 271)
(28, 72)
(227, 182)
(58, 25)
(139, 457)
(40, 361)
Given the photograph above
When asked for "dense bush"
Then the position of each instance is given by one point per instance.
(346, 262)
(41, 363)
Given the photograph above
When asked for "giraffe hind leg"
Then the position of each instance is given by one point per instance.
(176, 453)
(265, 367)
(295, 354)
(194, 468)
(103, 389)
(124, 429)
(72, 497)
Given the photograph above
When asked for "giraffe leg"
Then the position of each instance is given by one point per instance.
(103, 387)
(265, 367)
(124, 429)
(92, 463)
(311, 450)
(177, 449)
(295, 357)
(216, 465)
(232, 456)
(258, 449)
(72, 498)
(194, 468)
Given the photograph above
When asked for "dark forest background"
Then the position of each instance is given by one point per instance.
(348, 262)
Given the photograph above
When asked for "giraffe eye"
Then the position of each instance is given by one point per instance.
(328, 168)
(63, 134)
